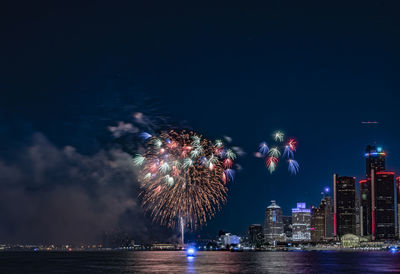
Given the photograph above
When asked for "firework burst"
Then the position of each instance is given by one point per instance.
(272, 155)
(184, 175)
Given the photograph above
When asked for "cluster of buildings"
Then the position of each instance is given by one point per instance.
(367, 209)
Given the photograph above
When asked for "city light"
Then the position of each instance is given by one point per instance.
(190, 252)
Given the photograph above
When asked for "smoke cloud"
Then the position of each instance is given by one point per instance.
(57, 195)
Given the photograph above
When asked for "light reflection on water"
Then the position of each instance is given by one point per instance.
(204, 262)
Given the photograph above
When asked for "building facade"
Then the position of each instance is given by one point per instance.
(301, 223)
(374, 159)
(287, 226)
(384, 222)
(273, 227)
(398, 205)
(344, 191)
(377, 198)
(255, 234)
(317, 224)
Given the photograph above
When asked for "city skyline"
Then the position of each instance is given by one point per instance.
(73, 87)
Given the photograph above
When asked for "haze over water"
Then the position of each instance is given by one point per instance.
(204, 262)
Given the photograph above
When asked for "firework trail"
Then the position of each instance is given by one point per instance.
(263, 148)
(184, 175)
(293, 166)
(272, 155)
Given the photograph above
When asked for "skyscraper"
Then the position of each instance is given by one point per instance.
(384, 205)
(287, 226)
(317, 224)
(273, 228)
(365, 207)
(398, 205)
(322, 220)
(255, 234)
(344, 193)
(327, 205)
(375, 159)
(301, 222)
(377, 197)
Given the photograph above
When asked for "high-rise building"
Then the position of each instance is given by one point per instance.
(377, 197)
(255, 234)
(375, 159)
(287, 226)
(398, 205)
(344, 196)
(365, 207)
(327, 205)
(317, 224)
(384, 213)
(322, 220)
(301, 222)
(273, 227)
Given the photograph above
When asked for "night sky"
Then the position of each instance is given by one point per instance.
(70, 71)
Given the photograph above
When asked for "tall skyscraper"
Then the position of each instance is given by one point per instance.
(398, 205)
(301, 223)
(287, 226)
(255, 234)
(273, 227)
(365, 207)
(377, 197)
(384, 205)
(327, 205)
(317, 224)
(344, 194)
(375, 159)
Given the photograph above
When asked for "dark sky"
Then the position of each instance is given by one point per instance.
(314, 70)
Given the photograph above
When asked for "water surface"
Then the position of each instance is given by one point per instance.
(204, 262)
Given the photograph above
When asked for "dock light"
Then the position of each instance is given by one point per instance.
(190, 252)
(393, 249)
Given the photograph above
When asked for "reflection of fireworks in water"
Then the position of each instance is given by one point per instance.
(184, 175)
(273, 154)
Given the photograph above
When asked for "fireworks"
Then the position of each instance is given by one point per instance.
(183, 175)
(293, 166)
(263, 148)
(273, 154)
(278, 136)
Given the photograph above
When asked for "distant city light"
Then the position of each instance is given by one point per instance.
(327, 189)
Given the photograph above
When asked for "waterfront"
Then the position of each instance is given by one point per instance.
(204, 262)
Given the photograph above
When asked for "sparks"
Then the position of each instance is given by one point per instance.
(293, 166)
(138, 160)
(263, 148)
(187, 179)
(278, 136)
(274, 152)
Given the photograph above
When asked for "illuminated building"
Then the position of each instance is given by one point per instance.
(287, 226)
(228, 239)
(327, 205)
(322, 220)
(384, 205)
(273, 228)
(255, 234)
(344, 196)
(317, 224)
(301, 221)
(377, 197)
(365, 207)
(375, 159)
(398, 205)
